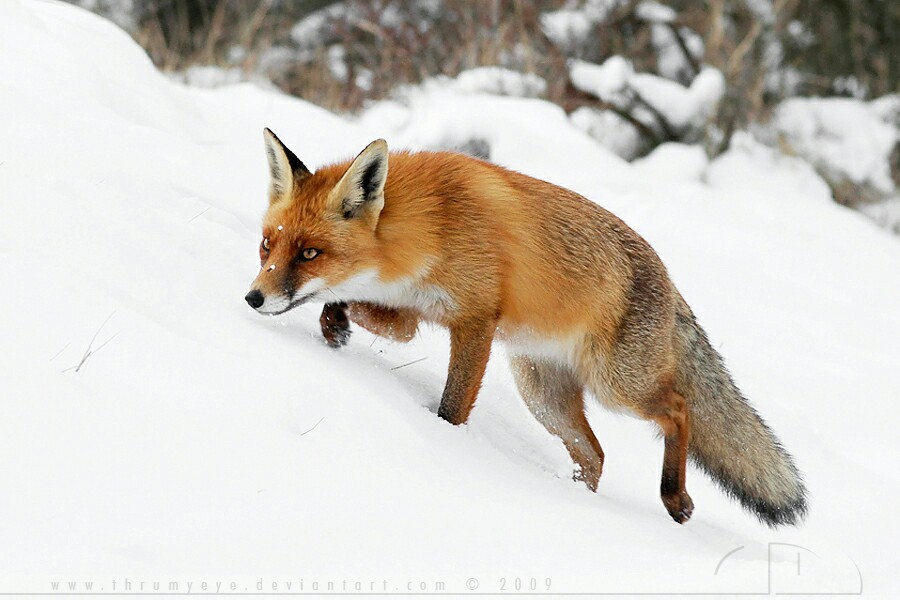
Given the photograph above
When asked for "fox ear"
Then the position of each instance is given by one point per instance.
(361, 189)
(284, 167)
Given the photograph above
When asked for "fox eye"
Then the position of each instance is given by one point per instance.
(309, 253)
(265, 244)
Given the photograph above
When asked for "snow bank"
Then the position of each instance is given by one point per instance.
(531, 135)
(203, 442)
(846, 138)
(500, 81)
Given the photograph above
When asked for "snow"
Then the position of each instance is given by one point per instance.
(605, 81)
(670, 60)
(571, 26)
(762, 8)
(500, 81)
(611, 130)
(566, 27)
(615, 81)
(495, 81)
(674, 162)
(682, 106)
(851, 144)
(654, 12)
(885, 213)
(772, 172)
(887, 108)
(211, 76)
(847, 138)
(311, 30)
(205, 443)
(438, 117)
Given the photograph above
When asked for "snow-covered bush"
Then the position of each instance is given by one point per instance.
(611, 129)
(661, 109)
(572, 27)
(846, 140)
(854, 145)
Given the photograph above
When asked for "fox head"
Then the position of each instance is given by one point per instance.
(319, 231)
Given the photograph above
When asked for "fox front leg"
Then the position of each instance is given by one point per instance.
(335, 324)
(470, 348)
(398, 324)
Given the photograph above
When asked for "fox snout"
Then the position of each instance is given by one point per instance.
(255, 299)
(277, 303)
(272, 304)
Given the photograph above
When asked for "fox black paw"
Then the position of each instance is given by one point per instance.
(679, 505)
(335, 324)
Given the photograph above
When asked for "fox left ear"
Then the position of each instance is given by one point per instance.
(284, 167)
(361, 189)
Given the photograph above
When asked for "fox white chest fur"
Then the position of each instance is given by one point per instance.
(432, 302)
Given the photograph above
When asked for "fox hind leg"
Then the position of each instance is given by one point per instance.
(556, 399)
(671, 413)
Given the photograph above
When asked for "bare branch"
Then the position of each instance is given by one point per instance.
(418, 360)
(695, 67)
(61, 350)
(200, 214)
(90, 350)
(313, 427)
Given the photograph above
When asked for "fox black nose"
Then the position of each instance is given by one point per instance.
(255, 299)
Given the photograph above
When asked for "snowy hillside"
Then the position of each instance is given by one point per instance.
(155, 428)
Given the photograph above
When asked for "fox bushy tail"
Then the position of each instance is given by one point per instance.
(729, 440)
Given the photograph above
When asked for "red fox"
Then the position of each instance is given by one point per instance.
(582, 302)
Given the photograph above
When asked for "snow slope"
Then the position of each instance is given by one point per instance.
(206, 443)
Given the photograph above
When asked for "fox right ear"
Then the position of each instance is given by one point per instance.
(284, 166)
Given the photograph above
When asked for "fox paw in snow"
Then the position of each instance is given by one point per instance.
(679, 505)
(335, 324)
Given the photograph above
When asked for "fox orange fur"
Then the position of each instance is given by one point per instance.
(581, 300)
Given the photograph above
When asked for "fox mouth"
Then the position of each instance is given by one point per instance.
(293, 304)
